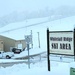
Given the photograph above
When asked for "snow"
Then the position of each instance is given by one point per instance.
(18, 30)
(10, 60)
(34, 24)
(31, 52)
(58, 66)
(40, 67)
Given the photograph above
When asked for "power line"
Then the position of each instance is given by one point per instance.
(24, 27)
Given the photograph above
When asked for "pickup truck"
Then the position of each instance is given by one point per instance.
(6, 55)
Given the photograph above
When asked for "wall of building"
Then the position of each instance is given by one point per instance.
(7, 43)
(19, 43)
(1, 45)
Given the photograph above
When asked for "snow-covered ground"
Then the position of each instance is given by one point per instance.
(58, 66)
(31, 52)
(35, 51)
(39, 68)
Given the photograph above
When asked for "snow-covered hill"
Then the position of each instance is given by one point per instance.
(15, 14)
(19, 29)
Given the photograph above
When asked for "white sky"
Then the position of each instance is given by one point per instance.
(8, 6)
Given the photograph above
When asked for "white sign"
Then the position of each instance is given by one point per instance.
(28, 39)
(61, 43)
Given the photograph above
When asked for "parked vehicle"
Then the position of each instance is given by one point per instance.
(17, 51)
(6, 55)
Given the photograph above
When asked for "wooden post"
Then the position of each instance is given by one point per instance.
(48, 52)
(31, 39)
(74, 44)
(38, 39)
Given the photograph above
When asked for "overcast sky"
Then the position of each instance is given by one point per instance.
(8, 6)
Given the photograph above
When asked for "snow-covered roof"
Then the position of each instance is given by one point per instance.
(19, 29)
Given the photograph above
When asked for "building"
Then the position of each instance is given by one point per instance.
(6, 44)
(20, 44)
(1, 45)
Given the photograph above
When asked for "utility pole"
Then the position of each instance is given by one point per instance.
(38, 39)
(31, 39)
